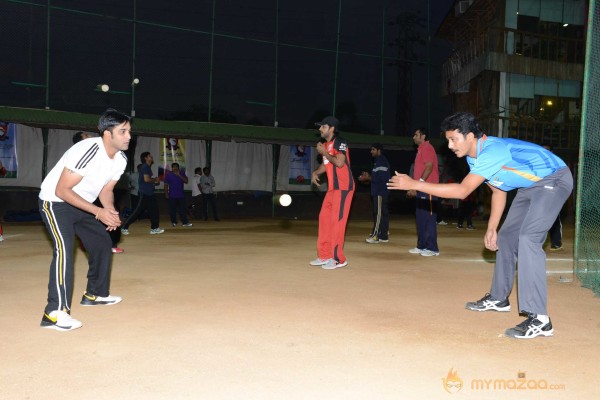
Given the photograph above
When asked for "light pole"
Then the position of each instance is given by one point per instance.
(134, 83)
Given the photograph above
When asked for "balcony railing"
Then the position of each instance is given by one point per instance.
(515, 42)
(558, 135)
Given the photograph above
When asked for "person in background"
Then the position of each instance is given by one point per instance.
(197, 194)
(378, 178)
(174, 181)
(425, 170)
(134, 186)
(555, 231)
(465, 211)
(147, 201)
(207, 185)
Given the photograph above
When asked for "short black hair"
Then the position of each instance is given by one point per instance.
(143, 156)
(464, 122)
(111, 118)
(198, 170)
(424, 131)
(77, 137)
(377, 146)
(175, 164)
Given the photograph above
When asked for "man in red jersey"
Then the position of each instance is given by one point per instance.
(340, 190)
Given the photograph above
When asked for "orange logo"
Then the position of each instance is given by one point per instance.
(452, 382)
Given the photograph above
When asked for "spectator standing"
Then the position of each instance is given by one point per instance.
(147, 201)
(174, 181)
(425, 170)
(379, 176)
(207, 184)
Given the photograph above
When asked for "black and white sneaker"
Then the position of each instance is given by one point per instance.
(487, 303)
(60, 321)
(531, 327)
(91, 300)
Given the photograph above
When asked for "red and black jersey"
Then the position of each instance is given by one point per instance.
(338, 178)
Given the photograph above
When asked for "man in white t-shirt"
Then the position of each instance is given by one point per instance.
(89, 170)
(197, 194)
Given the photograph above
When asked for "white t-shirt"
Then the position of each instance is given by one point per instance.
(195, 182)
(87, 158)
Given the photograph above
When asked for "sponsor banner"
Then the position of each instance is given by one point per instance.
(172, 151)
(299, 171)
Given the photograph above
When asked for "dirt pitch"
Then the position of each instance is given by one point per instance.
(232, 310)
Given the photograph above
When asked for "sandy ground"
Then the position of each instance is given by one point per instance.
(232, 310)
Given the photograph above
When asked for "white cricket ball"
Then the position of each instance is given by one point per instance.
(285, 200)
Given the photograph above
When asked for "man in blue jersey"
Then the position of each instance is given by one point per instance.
(379, 193)
(543, 183)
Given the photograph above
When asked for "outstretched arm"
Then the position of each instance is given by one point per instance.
(445, 190)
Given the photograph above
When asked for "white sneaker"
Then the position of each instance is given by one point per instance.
(442, 222)
(371, 240)
(188, 224)
(429, 253)
(416, 250)
(156, 231)
(59, 320)
(317, 262)
(333, 264)
(1, 238)
(124, 231)
(90, 300)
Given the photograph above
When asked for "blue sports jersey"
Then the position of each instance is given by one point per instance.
(511, 164)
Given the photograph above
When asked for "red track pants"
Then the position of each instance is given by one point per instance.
(332, 224)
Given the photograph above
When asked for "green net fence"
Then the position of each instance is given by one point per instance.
(587, 229)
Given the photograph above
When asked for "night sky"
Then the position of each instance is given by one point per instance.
(91, 42)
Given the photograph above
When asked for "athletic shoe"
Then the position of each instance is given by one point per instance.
(487, 303)
(1, 238)
(459, 226)
(173, 223)
(124, 231)
(470, 227)
(91, 300)
(371, 240)
(530, 328)
(556, 248)
(416, 250)
(383, 240)
(117, 250)
(317, 262)
(442, 222)
(156, 231)
(59, 320)
(333, 264)
(430, 253)
(188, 224)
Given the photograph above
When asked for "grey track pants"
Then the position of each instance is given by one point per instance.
(521, 237)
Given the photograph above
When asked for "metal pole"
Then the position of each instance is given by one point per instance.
(210, 74)
(133, 84)
(337, 56)
(47, 102)
(382, 67)
(275, 123)
(428, 67)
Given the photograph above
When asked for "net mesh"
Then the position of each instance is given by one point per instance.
(587, 229)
